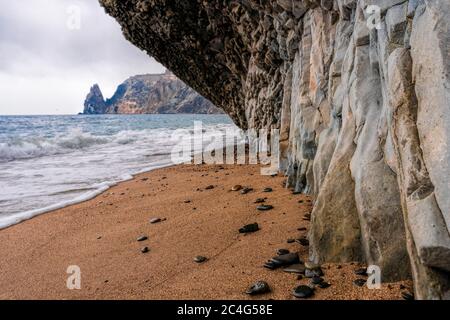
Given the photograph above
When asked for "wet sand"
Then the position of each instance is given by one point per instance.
(100, 236)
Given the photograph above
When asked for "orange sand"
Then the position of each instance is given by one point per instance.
(100, 237)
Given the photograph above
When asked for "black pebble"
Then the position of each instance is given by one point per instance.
(200, 259)
(324, 285)
(316, 280)
(265, 207)
(361, 272)
(407, 295)
(142, 238)
(249, 228)
(280, 252)
(268, 189)
(259, 287)
(145, 250)
(359, 282)
(303, 292)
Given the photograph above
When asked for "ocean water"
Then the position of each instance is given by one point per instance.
(49, 162)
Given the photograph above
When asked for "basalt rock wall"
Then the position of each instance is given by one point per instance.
(360, 90)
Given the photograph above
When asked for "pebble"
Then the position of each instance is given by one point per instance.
(407, 295)
(296, 192)
(324, 285)
(361, 272)
(142, 238)
(259, 287)
(296, 268)
(246, 190)
(303, 292)
(155, 220)
(200, 259)
(302, 229)
(290, 240)
(260, 200)
(264, 207)
(268, 189)
(236, 188)
(280, 252)
(303, 241)
(316, 280)
(249, 228)
(209, 187)
(187, 201)
(145, 250)
(359, 282)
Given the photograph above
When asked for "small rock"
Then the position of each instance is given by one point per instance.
(407, 295)
(302, 229)
(296, 268)
(316, 280)
(209, 187)
(339, 266)
(155, 220)
(249, 228)
(303, 292)
(324, 285)
(265, 207)
(187, 201)
(145, 250)
(290, 240)
(260, 200)
(303, 241)
(200, 259)
(280, 252)
(361, 272)
(236, 188)
(359, 282)
(296, 192)
(142, 238)
(299, 277)
(268, 189)
(246, 190)
(259, 287)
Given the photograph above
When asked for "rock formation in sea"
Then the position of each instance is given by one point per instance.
(149, 94)
(360, 90)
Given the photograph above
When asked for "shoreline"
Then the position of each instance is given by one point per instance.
(99, 236)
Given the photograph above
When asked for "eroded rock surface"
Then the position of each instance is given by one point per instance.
(361, 95)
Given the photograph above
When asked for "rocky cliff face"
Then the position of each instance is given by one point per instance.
(361, 92)
(149, 94)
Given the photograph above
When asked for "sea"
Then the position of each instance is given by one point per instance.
(50, 162)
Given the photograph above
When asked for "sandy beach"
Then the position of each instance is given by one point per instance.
(201, 216)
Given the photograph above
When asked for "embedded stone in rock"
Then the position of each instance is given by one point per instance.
(265, 207)
(303, 292)
(200, 259)
(249, 228)
(259, 287)
(236, 187)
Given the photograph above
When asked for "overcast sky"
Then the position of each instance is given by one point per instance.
(50, 55)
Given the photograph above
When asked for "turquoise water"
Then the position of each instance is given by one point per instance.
(48, 162)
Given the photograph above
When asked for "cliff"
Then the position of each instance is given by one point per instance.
(149, 94)
(361, 93)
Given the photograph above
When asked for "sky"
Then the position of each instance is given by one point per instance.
(53, 51)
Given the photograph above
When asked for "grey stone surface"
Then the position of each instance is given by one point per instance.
(364, 113)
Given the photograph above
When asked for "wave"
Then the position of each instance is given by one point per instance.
(76, 139)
